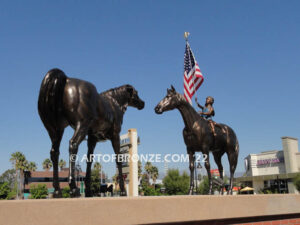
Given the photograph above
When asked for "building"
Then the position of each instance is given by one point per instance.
(46, 178)
(273, 170)
(129, 148)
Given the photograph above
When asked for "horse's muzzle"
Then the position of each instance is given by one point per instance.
(141, 105)
(158, 110)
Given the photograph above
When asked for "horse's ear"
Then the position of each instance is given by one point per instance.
(129, 90)
(168, 90)
(173, 89)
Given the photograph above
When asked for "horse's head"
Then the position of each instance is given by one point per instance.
(169, 102)
(133, 98)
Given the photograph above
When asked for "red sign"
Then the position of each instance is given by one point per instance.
(215, 172)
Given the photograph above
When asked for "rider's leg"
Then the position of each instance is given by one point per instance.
(211, 123)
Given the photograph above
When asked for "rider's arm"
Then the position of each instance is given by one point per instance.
(209, 113)
(200, 106)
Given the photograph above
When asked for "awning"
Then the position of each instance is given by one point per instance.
(247, 189)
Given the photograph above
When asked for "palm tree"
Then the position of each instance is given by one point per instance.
(32, 166)
(19, 161)
(28, 168)
(148, 169)
(62, 163)
(139, 170)
(154, 174)
(47, 164)
(97, 166)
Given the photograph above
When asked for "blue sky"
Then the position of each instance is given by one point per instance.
(248, 52)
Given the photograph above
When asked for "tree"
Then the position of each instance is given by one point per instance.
(20, 164)
(62, 163)
(18, 159)
(4, 190)
(97, 166)
(145, 180)
(148, 169)
(154, 173)
(175, 183)
(32, 166)
(296, 181)
(9, 176)
(39, 191)
(95, 179)
(47, 164)
(203, 188)
(139, 170)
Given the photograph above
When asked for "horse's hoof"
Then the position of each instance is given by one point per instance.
(88, 194)
(123, 193)
(75, 193)
(57, 194)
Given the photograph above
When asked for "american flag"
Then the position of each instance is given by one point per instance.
(193, 77)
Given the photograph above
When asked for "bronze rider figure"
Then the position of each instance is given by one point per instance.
(208, 112)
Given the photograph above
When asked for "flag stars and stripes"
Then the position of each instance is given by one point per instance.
(193, 77)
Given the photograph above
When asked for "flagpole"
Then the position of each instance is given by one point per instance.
(186, 35)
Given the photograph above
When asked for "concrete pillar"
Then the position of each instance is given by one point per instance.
(133, 163)
(290, 148)
(258, 185)
(292, 188)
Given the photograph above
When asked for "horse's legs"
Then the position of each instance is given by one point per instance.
(207, 166)
(79, 135)
(218, 157)
(232, 158)
(56, 136)
(192, 167)
(92, 141)
(115, 141)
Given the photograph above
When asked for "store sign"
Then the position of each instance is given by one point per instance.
(269, 161)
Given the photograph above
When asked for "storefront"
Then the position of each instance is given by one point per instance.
(273, 171)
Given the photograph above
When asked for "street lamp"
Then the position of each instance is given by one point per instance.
(197, 166)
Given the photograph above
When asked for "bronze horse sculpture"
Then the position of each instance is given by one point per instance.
(198, 137)
(65, 101)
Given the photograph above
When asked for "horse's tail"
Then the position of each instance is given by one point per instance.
(51, 97)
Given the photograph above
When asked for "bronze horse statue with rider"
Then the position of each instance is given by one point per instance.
(65, 101)
(198, 137)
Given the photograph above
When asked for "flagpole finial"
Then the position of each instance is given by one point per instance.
(186, 34)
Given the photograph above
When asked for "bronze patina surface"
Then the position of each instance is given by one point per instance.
(65, 101)
(198, 137)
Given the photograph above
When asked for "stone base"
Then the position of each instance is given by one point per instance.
(151, 210)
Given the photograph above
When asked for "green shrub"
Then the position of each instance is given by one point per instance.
(175, 183)
(4, 190)
(39, 191)
(203, 188)
(296, 181)
(66, 192)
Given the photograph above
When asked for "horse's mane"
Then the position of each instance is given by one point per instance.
(112, 91)
(115, 94)
(182, 99)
